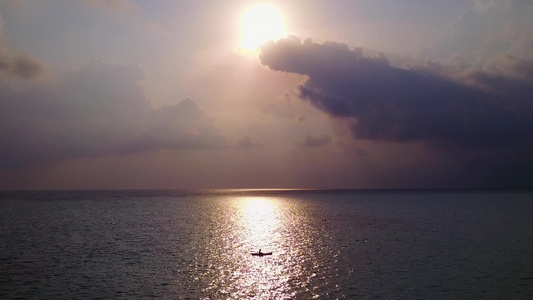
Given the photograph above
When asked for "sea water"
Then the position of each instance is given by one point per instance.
(325, 244)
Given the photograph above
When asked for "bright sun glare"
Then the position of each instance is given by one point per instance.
(260, 23)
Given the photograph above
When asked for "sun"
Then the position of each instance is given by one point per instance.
(260, 23)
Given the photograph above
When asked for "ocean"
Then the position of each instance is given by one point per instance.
(325, 244)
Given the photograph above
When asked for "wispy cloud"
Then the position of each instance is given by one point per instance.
(16, 63)
(98, 110)
(21, 65)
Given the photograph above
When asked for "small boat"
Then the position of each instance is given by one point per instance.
(261, 253)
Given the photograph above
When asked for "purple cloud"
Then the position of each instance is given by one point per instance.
(393, 104)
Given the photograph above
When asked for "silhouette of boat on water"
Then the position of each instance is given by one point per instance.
(259, 253)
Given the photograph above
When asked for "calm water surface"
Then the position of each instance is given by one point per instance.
(326, 245)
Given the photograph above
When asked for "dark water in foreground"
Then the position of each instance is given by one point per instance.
(327, 245)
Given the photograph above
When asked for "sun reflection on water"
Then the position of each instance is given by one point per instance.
(246, 224)
(260, 223)
(260, 226)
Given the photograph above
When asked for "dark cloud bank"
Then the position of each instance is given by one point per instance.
(98, 110)
(487, 117)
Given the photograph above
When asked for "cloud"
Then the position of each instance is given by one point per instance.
(487, 30)
(314, 141)
(279, 111)
(246, 143)
(21, 65)
(98, 110)
(393, 104)
(301, 118)
(18, 64)
(478, 118)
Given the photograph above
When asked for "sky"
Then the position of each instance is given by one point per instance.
(387, 94)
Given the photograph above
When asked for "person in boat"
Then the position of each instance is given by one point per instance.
(260, 251)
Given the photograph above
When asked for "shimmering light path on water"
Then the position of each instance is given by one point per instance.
(326, 245)
(272, 224)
